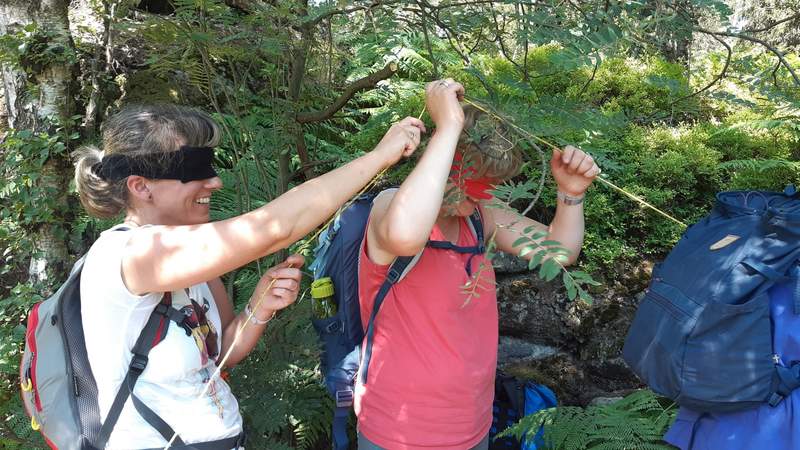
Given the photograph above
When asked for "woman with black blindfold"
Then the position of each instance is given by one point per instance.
(156, 168)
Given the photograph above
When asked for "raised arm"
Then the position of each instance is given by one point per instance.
(573, 171)
(400, 224)
(165, 258)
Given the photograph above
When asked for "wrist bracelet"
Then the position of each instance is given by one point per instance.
(252, 317)
(570, 200)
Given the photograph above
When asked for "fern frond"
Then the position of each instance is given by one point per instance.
(636, 422)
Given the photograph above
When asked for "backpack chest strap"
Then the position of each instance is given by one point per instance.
(478, 249)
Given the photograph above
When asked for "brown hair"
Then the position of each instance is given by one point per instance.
(486, 146)
(138, 130)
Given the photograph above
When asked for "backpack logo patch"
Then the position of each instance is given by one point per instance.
(724, 242)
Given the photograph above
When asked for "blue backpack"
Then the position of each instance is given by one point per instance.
(336, 256)
(702, 334)
(514, 399)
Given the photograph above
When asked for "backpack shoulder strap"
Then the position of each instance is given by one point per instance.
(393, 276)
(476, 223)
(153, 332)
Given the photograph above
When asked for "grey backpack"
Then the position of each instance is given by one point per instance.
(58, 388)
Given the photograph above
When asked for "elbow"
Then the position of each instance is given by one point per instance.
(569, 262)
(571, 259)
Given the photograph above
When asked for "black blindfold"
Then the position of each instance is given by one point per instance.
(186, 164)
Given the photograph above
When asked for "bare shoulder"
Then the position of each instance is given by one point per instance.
(375, 251)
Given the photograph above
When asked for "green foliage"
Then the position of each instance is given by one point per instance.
(33, 48)
(278, 386)
(27, 201)
(548, 260)
(760, 153)
(638, 421)
(15, 431)
(595, 74)
(636, 88)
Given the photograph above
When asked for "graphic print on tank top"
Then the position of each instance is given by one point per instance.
(201, 329)
(205, 336)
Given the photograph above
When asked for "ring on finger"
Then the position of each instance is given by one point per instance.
(444, 83)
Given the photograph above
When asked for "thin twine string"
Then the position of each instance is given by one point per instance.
(530, 135)
(370, 185)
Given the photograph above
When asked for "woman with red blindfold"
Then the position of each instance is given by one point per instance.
(430, 379)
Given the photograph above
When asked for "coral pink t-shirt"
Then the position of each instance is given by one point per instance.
(431, 376)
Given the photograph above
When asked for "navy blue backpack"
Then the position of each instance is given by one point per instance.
(702, 335)
(336, 256)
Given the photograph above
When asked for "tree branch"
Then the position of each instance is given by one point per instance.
(428, 45)
(775, 74)
(359, 85)
(479, 2)
(312, 21)
(498, 36)
(745, 37)
(591, 78)
(716, 80)
(455, 45)
(773, 24)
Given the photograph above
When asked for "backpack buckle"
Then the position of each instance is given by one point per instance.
(344, 399)
(138, 363)
(333, 327)
(393, 275)
(775, 399)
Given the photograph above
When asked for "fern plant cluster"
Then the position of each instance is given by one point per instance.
(636, 422)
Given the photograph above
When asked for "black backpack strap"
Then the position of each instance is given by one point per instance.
(155, 421)
(168, 433)
(234, 442)
(477, 223)
(393, 276)
(479, 249)
(153, 332)
(787, 379)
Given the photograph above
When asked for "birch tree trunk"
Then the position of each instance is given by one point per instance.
(40, 97)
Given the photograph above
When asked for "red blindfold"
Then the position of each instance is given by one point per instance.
(464, 178)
